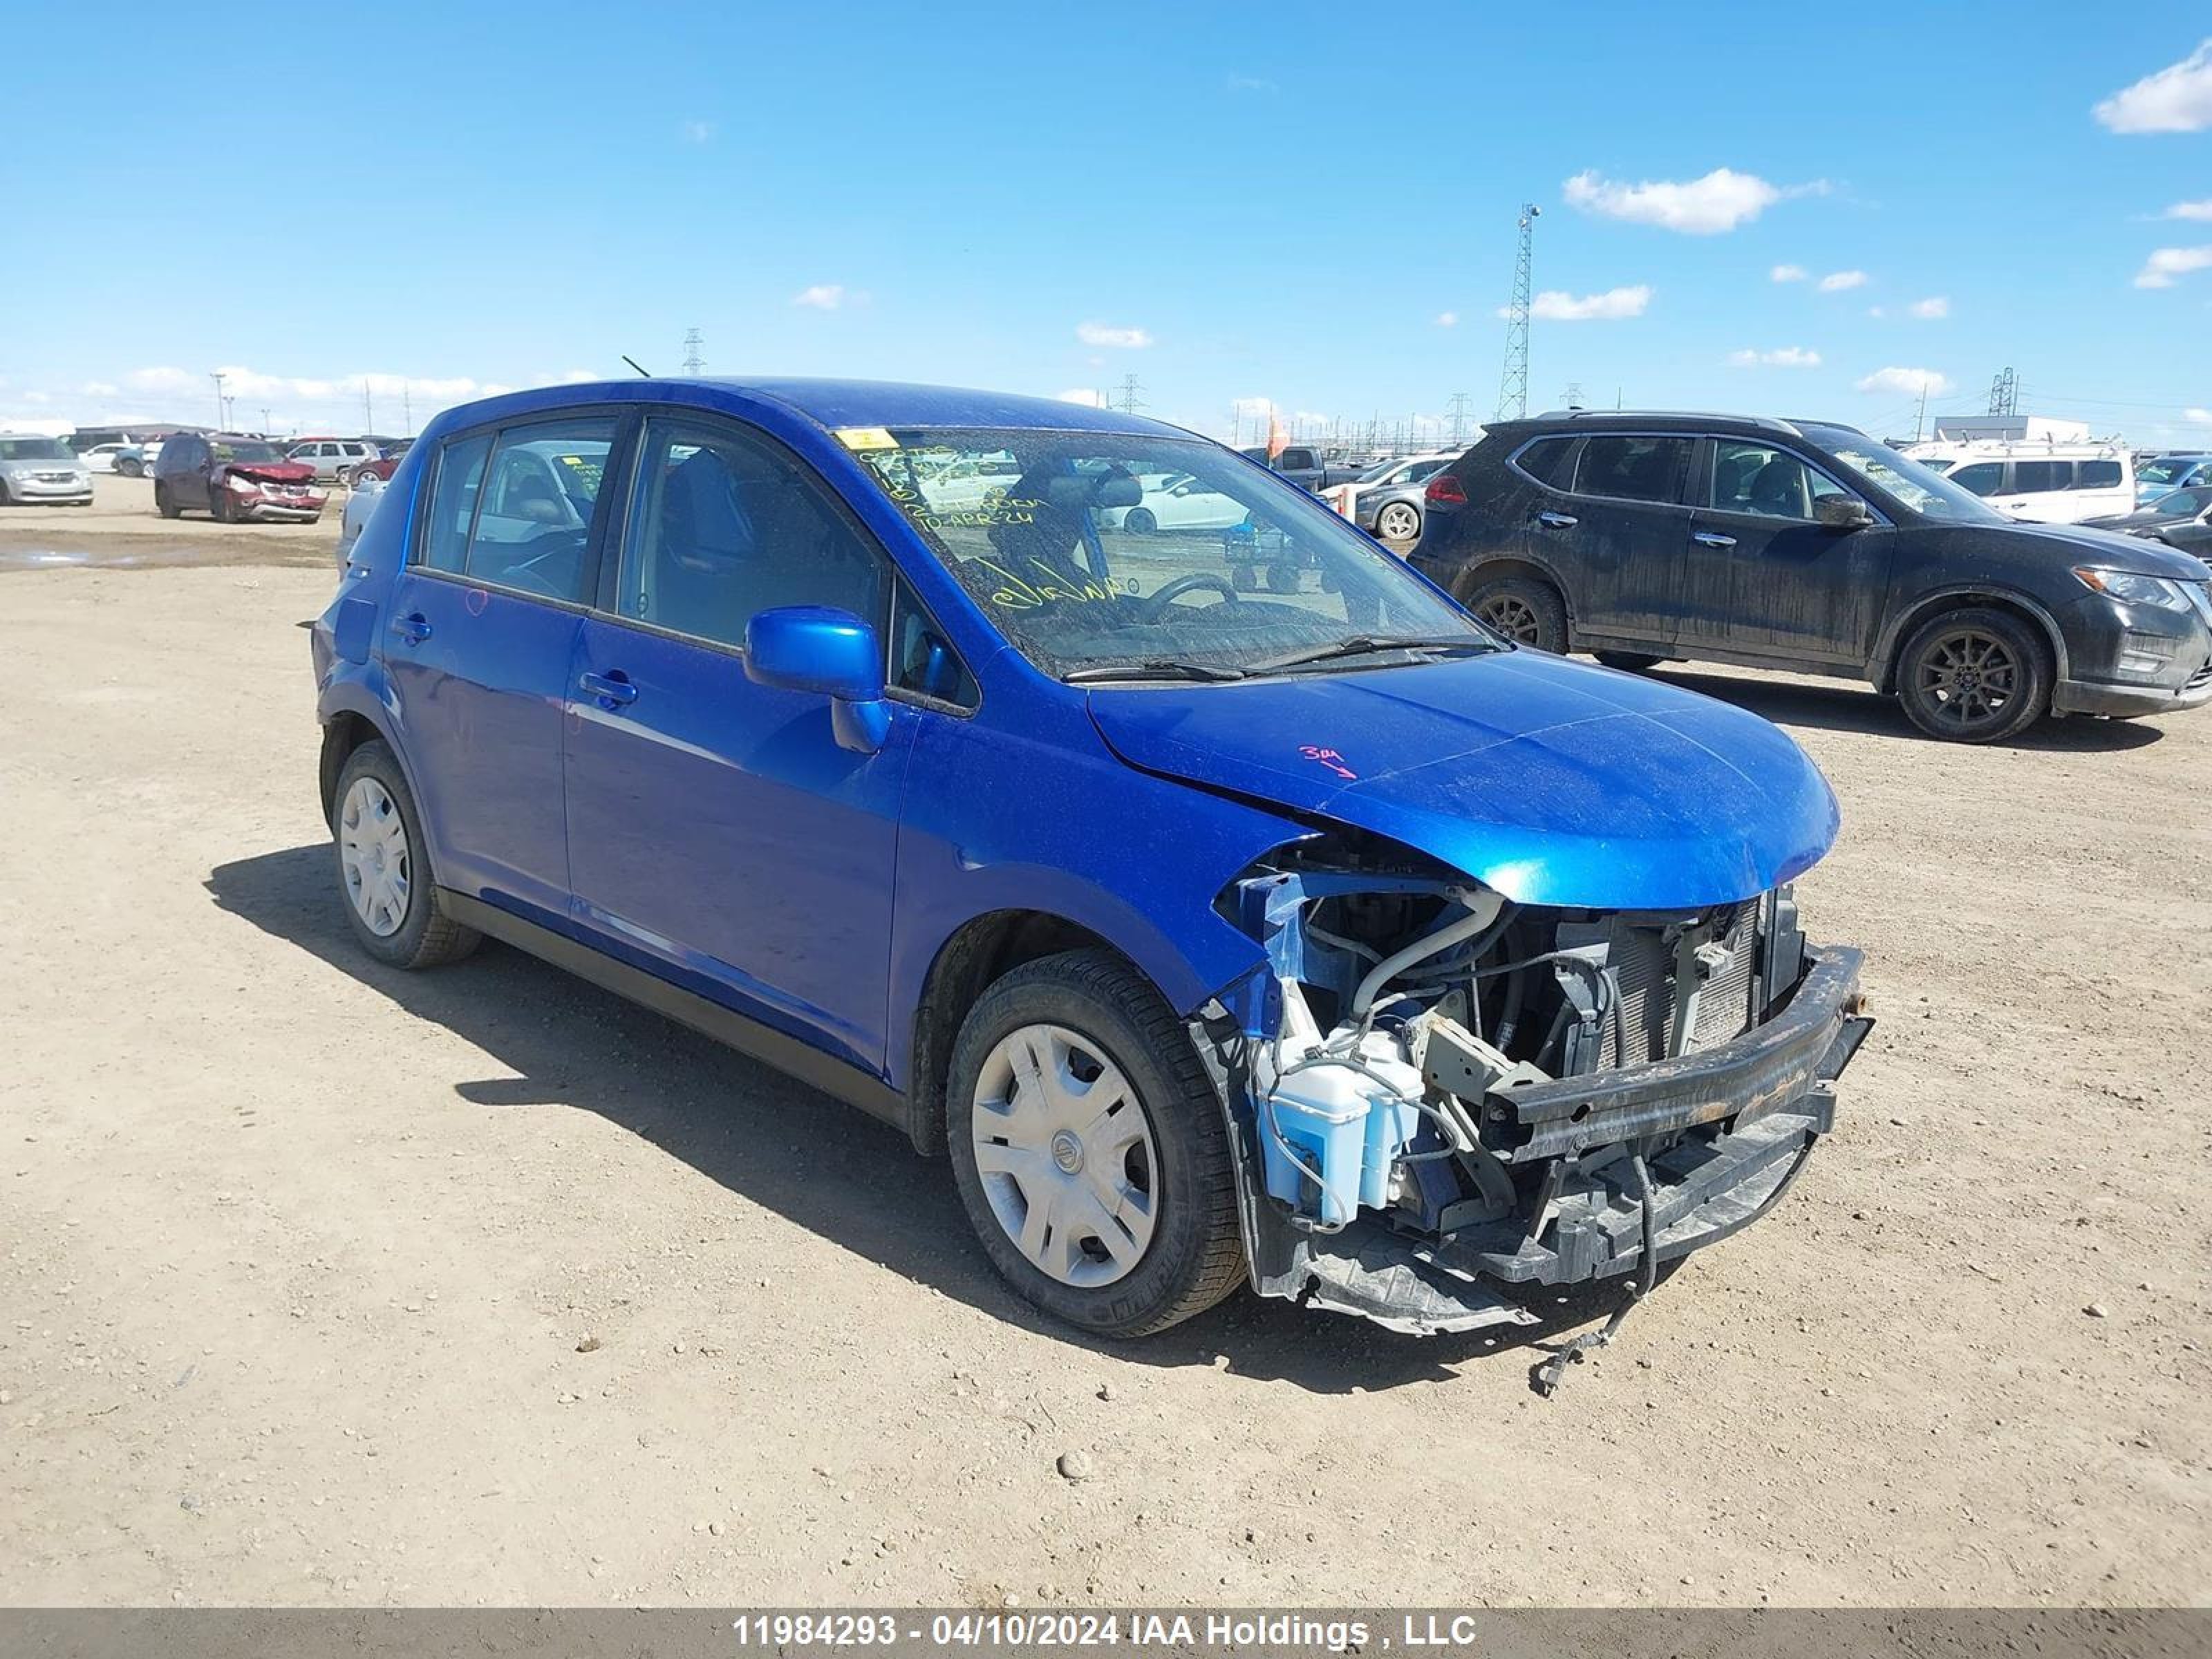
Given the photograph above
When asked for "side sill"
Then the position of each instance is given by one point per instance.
(748, 1037)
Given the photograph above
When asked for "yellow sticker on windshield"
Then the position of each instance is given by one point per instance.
(865, 437)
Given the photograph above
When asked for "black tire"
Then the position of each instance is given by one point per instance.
(1629, 662)
(426, 936)
(1974, 675)
(164, 503)
(1526, 610)
(1395, 513)
(1244, 577)
(218, 503)
(1195, 1256)
(131, 469)
(1140, 521)
(6, 500)
(1282, 579)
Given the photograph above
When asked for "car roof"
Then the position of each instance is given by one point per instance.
(1659, 420)
(830, 403)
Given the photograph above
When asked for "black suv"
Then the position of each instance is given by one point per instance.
(1810, 547)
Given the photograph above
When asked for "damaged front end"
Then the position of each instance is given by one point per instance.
(1439, 1097)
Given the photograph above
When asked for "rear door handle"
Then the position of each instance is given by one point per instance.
(613, 688)
(1712, 539)
(414, 628)
(1556, 521)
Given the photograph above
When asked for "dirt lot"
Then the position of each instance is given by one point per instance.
(121, 530)
(328, 1283)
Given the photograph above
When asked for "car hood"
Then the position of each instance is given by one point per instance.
(270, 472)
(1550, 781)
(2113, 549)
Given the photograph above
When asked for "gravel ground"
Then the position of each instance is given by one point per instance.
(324, 1283)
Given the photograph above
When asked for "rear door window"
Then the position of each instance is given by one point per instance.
(534, 521)
(2097, 474)
(1632, 468)
(1983, 477)
(2034, 477)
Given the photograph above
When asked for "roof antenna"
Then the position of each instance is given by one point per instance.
(633, 362)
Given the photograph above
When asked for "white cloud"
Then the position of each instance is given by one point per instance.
(1447, 319)
(573, 377)
(1091, 397)
(1251, 84)
(1877, 310)
(821, 296)
(1252, 405)
(1557, 305)
(163, 379)
(46, 426)
(1720, 201)
(1106, 334)
(2197, 416)
(2177, 99)
(2200, 212)
(1780, 357)
(698, 132)
(1929, 309)
(1837, 281)
(100, 389)
(1906, 382)
(2168, 262)
(1788, 273)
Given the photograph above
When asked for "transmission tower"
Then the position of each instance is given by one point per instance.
(692, 362)
(2004, 394)
(1458, 417)
(1130, 401)
(1513, 385)
(1574, 394)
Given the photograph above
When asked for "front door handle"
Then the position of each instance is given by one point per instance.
(613, 690)
(1712, 539)
(413, 628)
(1551, 520)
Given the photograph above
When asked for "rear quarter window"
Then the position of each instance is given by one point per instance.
(2097, 474)
(1546, 460)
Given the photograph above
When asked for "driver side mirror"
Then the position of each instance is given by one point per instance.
(832, 653)
(1842, 512)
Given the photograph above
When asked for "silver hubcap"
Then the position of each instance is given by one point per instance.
(1066, 1155)
(373, 855)
(1397, 523)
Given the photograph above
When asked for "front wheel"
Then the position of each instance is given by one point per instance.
(131, 469)
(1629, 662)
(384, 871)
(1398, 521)
(1525, 610)
(1140, 521)
(1974, 675)
(1090, 1148)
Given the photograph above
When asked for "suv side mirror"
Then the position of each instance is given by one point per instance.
(832, 652)
(1842, 512)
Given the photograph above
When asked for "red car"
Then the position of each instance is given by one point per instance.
(386, 466)
(237, 480)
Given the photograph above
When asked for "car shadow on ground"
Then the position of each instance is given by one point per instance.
(810, 1159)
(1848, 706)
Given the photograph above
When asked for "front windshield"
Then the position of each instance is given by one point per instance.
(1098, 552)
(2183, 503)
(34, 449)
(1919, 490)
(245, 449)
(2166, 472)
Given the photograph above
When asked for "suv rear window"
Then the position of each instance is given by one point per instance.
(1633, 468)
(2097, 474)
(2033, 478)
(1546, 460)
(1983, 477)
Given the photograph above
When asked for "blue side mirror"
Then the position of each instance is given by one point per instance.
(831, 653)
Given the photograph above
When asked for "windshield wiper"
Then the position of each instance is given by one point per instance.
(1159, 668)
(1360, 644)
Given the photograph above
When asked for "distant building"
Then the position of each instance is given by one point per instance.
(2010, 428)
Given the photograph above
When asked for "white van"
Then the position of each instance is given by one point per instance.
(2042, 483)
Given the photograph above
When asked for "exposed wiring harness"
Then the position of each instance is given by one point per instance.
(1544, 1379)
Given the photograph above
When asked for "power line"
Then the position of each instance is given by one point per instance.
(1513, 384)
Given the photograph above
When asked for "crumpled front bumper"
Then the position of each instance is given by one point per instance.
(1724, 1133)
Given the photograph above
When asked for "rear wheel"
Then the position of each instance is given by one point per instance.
(1282, 579)
(1974, 675)
(164, 503)
(384, 871)
(1526, 610)
(1629, 662)
(1398, 521)
(130, 469)
(1089, 1149)
(1138, 521)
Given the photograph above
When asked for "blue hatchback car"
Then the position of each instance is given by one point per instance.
(1318, 938)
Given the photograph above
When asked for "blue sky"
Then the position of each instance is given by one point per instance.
(1273, 204)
